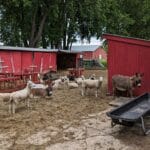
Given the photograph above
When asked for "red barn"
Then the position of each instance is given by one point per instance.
(127, 56)
(90, 52)
(19, 59)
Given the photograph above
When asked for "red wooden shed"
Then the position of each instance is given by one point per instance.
(68, 59)
(19, 59)
(90, 52)
(127, 56)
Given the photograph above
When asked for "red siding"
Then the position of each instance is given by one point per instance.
(6, 62)
(37, 60)
(87, 55)
(44, 60)
(144, 65)
(127, 56)
(53, 60)
(98, 52)
(26, 60)
(20, 61)
(17, 61)
(95, 54)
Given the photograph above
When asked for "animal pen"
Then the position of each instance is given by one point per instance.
(91, 55)
(127, 56)
(70, 60)
(18, 64)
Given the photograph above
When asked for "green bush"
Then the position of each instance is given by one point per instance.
(103, 62)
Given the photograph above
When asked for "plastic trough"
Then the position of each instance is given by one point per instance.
(130, 113)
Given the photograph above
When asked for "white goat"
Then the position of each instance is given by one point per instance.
(92, 84)
(16, 97)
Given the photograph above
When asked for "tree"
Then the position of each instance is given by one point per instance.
(56, 23)
(140, 14)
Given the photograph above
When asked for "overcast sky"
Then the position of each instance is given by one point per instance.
(94, 41)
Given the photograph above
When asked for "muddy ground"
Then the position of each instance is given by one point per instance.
(68, 121)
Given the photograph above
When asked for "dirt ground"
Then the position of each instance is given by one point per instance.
(68, 121)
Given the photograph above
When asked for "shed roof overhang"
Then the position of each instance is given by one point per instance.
(136, 41)
(11, 48)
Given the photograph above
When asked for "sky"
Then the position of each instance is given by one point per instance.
(94, 41)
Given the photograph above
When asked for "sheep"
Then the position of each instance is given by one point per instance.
(56, 86)
(17, 96)
(5, 97)
(126, 83)
(92, 77)
(92, 84)
(33, 85)
(41, 90)
(59, 83)
(79, 80)
(48, 75)
(71, 85)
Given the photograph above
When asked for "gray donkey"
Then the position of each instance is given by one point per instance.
(126, 83)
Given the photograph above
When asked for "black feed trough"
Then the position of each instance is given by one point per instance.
(132, 112)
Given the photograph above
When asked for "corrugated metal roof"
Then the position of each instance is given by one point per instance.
(83, 48)
(69, 52)
(74, 49)
(9, 48)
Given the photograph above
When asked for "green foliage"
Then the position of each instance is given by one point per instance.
(33, 23)
(103, 62)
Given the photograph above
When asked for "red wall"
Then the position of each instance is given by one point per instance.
(26, 61)
(127, 56)
(16, 59)
(87, 55)
(95, 54)
(37, 60)
(44, 60)
(20, 61)
(6, 58)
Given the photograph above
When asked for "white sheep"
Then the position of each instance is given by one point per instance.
(92, 84)
(40, 90)
(57, 86)
(5, 97)
(60, 80)
(17, 96)
(34, 85)
(92, 77)
(79, 80)
(71, 85)
(59, 83)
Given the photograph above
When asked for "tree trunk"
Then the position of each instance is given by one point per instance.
(36, 35)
